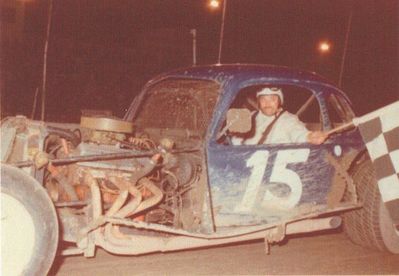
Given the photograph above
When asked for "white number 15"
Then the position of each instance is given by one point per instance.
(280, 174)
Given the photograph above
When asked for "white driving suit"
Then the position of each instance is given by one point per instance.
(287, 129)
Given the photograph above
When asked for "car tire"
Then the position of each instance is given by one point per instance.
(29, 225)
(370, 226)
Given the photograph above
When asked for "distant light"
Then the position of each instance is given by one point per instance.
(324, 47)
(214, 4)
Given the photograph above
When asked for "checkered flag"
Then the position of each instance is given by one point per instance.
(380, 132)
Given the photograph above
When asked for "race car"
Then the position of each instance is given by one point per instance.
(167, 176)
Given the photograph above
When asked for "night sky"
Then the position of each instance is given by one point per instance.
(98, 46)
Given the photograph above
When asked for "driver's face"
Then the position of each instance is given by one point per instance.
(269, 104)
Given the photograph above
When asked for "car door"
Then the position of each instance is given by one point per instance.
(254, 184)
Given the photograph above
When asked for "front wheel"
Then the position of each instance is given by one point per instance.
(29, 226)
(370, 226)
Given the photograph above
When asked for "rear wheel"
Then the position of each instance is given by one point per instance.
(371, 225)
(29, 227)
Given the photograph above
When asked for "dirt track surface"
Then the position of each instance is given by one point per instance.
(321, 254)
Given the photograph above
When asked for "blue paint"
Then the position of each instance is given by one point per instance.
(228, 173)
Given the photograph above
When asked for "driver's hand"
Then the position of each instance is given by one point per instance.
(317, 137)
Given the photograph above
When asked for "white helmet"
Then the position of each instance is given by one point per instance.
(271, 91)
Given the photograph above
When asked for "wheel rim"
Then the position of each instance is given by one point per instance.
(17, 236)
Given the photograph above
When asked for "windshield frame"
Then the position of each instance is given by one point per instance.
(178, 85)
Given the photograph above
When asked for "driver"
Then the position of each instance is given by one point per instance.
(273, 124)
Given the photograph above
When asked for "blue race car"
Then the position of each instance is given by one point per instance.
(169, 176)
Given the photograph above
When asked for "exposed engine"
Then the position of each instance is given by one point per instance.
(138, 178)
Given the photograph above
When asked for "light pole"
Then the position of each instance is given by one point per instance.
(348, 28)
(215, 4)
(50, 11)
(222, 31)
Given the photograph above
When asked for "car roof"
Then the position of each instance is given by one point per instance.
(243, 73)
(222, 72)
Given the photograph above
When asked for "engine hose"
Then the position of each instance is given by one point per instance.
(118, 203)
(156, 197)
(68, 188)
(136, 206)
(64, 133)
(132, 205)
(65, 185)
(143, 143)
(96, 204)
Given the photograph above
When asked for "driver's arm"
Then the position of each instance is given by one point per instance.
(317, 137)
